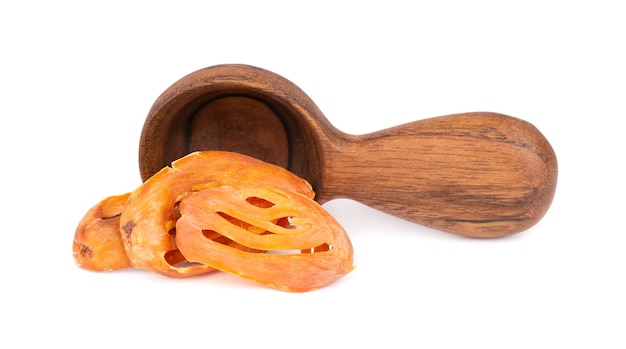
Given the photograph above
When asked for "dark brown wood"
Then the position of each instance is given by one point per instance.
(474, 174)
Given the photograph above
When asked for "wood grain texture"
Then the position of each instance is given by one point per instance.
(475, 174)
(478, 174)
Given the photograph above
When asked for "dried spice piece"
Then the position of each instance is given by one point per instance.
(217, 210)
(148, 222)
(274, 237)
(97, 244)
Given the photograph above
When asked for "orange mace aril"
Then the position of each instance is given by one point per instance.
(148, 221)
(97, 244)
(224, 226)
(163, 226)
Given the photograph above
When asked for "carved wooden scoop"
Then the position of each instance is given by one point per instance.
(473, 174)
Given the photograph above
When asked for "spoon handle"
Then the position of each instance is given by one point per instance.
(476, 174)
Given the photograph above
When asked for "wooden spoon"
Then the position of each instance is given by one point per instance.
(474, 174)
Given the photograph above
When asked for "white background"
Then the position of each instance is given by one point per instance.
(78, 78)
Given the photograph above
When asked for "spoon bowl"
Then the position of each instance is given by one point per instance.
(473, 174)
(236, 108)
